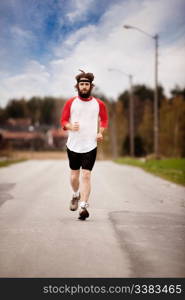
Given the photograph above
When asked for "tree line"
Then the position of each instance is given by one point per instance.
(171, 121)
(47, 111)
(40, 110)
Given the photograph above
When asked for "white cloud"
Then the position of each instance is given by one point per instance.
(79, 35)
(126, 50)
(33, 81)
(18, 32)
(73, 39)
(96, 48)
(172, 66)
(21, 39)
(79, 10)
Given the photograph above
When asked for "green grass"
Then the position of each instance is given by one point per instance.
(6, 163)
(172, 169)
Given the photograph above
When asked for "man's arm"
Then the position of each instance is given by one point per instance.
(100, 134)
(101, 130)
(65, 116)
(103, 120)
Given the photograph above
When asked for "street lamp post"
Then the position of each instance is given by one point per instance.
(156, 117)
(156, 121)
(131, 111)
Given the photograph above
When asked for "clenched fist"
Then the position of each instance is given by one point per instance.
(75, 126)
(99, 137)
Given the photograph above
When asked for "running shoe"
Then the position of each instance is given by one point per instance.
(83, 214)
(74, 203)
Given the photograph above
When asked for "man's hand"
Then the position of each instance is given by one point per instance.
(99, 137)
(73, 127)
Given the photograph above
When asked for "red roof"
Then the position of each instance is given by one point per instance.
(19, 121)
(58, 132)
(21, 135)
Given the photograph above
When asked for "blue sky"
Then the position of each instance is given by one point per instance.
(45, 42)
(44, 23)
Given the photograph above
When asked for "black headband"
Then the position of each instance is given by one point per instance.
(84, 80)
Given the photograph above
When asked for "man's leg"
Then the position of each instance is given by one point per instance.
(85, 192)
(88, 160)
(74, 164)
(74, 178)
(85, 185)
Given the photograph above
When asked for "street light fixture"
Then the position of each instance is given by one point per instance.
(131, 110)
(156, 122)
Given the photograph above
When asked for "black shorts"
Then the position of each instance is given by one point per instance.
(84, 160)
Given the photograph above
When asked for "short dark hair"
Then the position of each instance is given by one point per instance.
(83, 74)
(89, 76)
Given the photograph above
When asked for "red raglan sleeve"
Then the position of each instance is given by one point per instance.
(103, 114)
(66, 111)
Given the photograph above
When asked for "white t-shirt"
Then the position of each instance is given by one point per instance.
(87, 112)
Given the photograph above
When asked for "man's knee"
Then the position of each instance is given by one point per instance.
(86, 174)
(75, 174)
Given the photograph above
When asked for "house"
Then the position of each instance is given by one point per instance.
(21, 134)
(18, 122)
(22, 140)
(56, 138)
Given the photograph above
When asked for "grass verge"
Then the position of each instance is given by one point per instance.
(172, 169)
(8, 162)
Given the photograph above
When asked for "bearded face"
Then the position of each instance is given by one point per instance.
(84, 89)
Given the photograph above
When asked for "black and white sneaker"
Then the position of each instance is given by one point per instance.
(83, 214)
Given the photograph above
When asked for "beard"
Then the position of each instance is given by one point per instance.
(84, 94)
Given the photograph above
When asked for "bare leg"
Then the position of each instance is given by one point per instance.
(75, 180)
(85, 185)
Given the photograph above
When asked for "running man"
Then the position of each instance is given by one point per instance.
(85, 117)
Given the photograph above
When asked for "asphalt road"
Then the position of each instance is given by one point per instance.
(136, 226)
